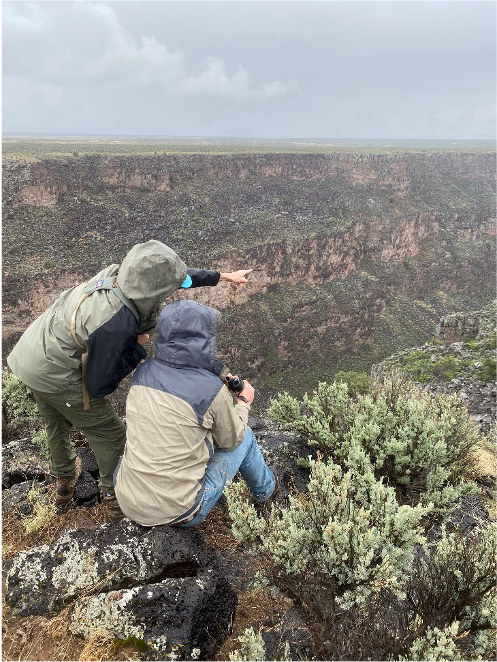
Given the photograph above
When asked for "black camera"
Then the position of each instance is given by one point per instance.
(235, 384)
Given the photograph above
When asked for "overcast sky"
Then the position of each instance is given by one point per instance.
(282, 69)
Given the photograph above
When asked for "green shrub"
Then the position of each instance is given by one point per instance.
(18, 404)
(368, 581)
(343, 541)
(357, 382)
(417, 365)
(453, 583)
(40, 439)
(20, 412)
(488, 372)
(420, 368)
(435, 645)
(253, 647)
(490, 342)
(445, 369)
(422, 445)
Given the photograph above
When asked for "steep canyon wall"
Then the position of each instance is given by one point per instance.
(354, 255)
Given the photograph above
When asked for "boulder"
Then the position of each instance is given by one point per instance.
(181, 618)
(115, 556)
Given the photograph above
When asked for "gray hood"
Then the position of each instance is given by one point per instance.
(187, 336)
(149, 273)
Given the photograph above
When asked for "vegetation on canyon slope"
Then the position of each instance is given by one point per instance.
(471, 357)
(356, 255)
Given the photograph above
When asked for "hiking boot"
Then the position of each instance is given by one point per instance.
(112, 509)
(65, 486)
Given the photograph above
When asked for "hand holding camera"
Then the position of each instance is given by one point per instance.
(241, 388)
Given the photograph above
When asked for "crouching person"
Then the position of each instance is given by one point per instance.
(185, 435)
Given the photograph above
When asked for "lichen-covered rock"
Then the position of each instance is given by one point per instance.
(22, 461)
(178, 618)
(15, 500)
(44, 579)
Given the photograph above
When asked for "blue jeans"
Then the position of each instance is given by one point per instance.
(223, 466)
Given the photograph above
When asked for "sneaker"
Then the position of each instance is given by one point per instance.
(65, 486)
(112, 509)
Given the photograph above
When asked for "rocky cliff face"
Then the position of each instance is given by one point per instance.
(355, 255)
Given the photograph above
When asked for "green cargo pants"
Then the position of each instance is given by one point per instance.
(102, 427)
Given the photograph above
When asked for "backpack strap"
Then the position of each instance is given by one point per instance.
(111, 284)
(91, 287)
(84, 351)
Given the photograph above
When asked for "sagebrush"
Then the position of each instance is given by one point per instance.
(423, 446)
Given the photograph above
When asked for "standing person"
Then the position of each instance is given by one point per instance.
(185, 435)
(78, 351)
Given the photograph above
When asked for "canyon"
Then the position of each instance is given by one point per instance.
(355, 255)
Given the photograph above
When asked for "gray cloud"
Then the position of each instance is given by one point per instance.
(276, 69)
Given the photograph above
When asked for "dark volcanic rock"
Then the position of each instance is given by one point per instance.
(181, 618)
(22, 461)
(15, 500)
(86, 492)
(122, 555)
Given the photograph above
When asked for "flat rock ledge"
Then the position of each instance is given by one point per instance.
(161, 585)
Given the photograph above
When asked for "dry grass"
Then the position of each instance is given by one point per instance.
(16, 535)
(486, 465)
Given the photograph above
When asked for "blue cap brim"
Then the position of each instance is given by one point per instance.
(187, 282)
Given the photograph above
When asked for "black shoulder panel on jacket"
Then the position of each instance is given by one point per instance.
(112, 353)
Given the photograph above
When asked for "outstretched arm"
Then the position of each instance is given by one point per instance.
(207, 278)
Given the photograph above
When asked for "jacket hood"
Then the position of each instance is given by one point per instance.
(187, 336)
(149, 273)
